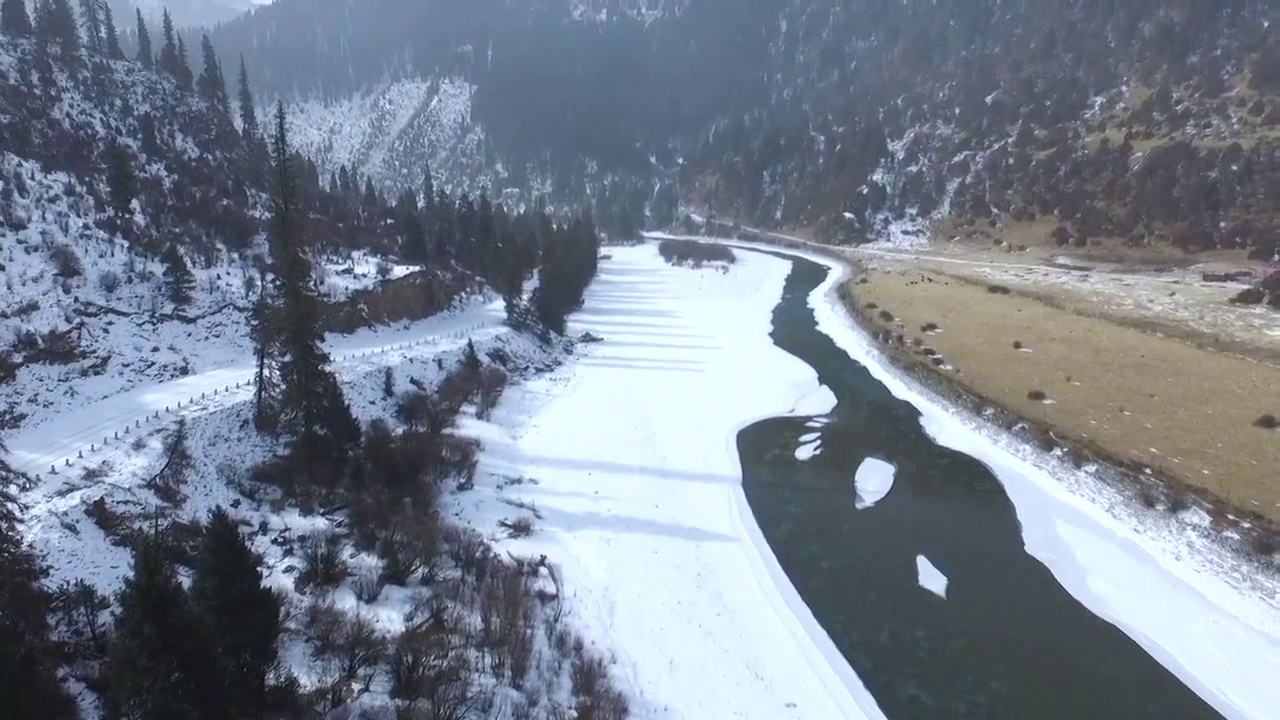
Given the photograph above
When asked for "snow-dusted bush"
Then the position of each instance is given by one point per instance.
(109, 282)
(66, 261)
(324, 563)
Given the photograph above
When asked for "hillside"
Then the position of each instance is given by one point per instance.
(1150, 123)
(157, 256)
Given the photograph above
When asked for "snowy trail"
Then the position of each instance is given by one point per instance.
(54, 451)
(631, 455)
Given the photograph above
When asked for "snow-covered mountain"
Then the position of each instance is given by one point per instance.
(186, 13)
(394, 132)
(860, 119)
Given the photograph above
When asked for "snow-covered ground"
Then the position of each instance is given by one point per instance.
(629, 455)
(627, 458)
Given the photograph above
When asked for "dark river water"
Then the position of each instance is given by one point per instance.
(1009, 641)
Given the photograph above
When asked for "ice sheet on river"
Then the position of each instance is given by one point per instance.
(872, 482)
(631, 456)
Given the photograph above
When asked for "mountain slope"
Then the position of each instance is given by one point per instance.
(863, 119)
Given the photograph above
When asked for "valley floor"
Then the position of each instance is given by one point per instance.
(629, 456)
(625, 460)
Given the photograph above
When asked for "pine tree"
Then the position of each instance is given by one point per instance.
(248, 116)
(266, 392)
(371, 200)
(485, 237)
(56, 25)
(145, 57)
(114, 52)
(150, 138)
(211, 84)
(169, 51)
(428, 190)
(163, 663)
(183, 71)
(312, 408)
(14, 19)
(94, 36)
(121, 180)
(240, 613)
(178, 280)
(444, 226)
(29, 685)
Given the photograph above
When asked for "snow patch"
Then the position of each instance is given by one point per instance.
(930, 577)
(808, 451)
(872, 482)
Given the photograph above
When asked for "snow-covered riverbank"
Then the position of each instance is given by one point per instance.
(1178, 597)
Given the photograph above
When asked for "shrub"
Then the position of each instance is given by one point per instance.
(25, 309)
(109, 282)
(886, 316)
(521, 527)
(595, 697)
(493, 380)
(506, 621)
(692, 252)
(1017, 344)
(388, 383)
(929, 327)
(1267, 422)
(419, 410)
(368, 586)
(999, 290)
(323, 562)
(66, 261)
(1037, 396)
(8, 367)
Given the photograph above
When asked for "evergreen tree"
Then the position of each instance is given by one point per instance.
(150, 138)
(178, 280)
(169, 51)
(183, 72)
(242, 615)
(56, 25)
(121, 180)
(114, 52)
(444, 230)
(163, 663)
(266, 386)
(94, 35)
(144, 43)
(413, 235)
(14, 19)
(428, 190)
(30, 688)
(371, 201)
(484, 239)
(312, 407)
(212, 86)
(248, 116)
